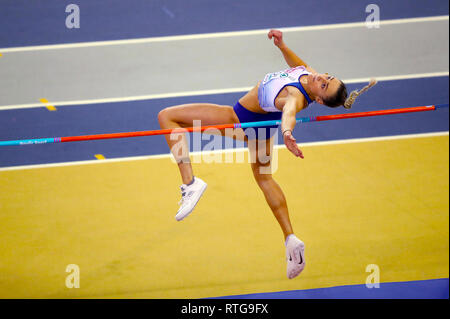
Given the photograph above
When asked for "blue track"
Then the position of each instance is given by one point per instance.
(142, 115)
(37, 22)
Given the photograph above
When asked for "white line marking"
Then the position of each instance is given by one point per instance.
(218, 35)
(208, 92)
(398, 77)
(230, 150)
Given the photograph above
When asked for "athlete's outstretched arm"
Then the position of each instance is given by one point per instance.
(291, 58)
(291, 107)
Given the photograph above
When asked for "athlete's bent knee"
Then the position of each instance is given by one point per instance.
(163, 116)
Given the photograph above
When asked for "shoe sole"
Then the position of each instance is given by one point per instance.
(179, 217)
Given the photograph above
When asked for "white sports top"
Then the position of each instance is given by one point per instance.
(273, 83)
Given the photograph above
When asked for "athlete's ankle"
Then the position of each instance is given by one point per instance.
(288, 237)
(191, 182)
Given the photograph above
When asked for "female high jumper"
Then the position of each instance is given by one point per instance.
(280, 95)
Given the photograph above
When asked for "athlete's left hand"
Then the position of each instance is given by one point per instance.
(291, 145)
(277, 36)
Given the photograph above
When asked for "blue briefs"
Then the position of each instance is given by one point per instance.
(263, 132)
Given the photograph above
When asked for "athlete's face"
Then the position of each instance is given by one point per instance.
(322, 86)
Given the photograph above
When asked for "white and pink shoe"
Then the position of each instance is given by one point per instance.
(295, 256)
(190, 195)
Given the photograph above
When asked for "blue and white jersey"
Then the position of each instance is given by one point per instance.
(273, 83)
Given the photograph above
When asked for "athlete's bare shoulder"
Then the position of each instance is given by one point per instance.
(293, 93)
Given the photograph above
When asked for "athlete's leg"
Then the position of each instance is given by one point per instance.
(261, 155)
(184, 116)
(181, 116)
(261, 167)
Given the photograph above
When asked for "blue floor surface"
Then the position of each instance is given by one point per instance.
(39, 22)
(424, 289)
(142, 115)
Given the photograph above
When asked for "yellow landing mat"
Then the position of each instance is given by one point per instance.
(355, 204)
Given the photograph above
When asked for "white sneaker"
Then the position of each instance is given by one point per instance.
(295, 256)
(190, 195)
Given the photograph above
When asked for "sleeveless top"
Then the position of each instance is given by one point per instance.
(273, 83)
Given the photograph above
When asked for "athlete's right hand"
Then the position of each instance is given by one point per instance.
(291, 145)
(277, 36)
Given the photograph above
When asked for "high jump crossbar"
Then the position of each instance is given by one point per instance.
(221, 126)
